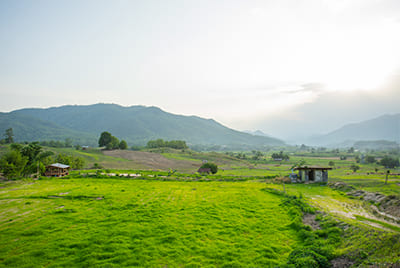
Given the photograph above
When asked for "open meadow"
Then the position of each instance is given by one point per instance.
(96, 222)
(135, 213)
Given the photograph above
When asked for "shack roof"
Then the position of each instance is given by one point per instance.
(312, 168)
(58, 165)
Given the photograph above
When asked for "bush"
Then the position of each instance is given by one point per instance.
(306, 257)
(213, 167)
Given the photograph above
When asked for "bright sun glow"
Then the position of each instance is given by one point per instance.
(365, 63)
(355, 77)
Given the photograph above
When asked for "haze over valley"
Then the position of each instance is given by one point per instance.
(292, 70)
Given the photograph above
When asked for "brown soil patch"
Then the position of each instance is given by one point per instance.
(154, 161)
(342, 262)
(309, 219)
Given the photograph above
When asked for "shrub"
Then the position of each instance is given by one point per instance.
(213, 167)
(306, 257)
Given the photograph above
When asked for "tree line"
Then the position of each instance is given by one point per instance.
(26, 159)
(160, 143)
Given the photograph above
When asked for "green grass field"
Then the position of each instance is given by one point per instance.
(118, 222)
(169, 217)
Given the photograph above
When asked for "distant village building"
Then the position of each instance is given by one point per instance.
(56, 170)
(311, 174)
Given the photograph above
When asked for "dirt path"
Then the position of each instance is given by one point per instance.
(155, 161)
(348, 210)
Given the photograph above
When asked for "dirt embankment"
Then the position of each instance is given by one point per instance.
(155, 161)
(388, 206)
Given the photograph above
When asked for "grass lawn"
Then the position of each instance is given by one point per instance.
(121, 222)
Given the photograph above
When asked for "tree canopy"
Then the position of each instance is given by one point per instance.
(213, 167)
(280, 155)
(105, 138)
(111, 142)
(389, 162)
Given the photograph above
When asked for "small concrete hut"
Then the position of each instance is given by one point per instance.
(311, 174)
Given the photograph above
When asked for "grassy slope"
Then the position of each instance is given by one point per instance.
(146, 223)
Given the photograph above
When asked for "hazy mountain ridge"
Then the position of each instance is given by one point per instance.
(385, 127)
(257, 133)
(135, 124)
(29, 128)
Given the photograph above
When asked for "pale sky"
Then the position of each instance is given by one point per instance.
(309, 65)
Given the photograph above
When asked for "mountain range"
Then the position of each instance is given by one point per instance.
(139, 124)
(135, 124)
(385, 127)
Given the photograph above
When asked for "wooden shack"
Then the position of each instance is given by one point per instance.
(56, 170)
(312, 174)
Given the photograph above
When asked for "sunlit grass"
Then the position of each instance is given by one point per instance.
(97, 222)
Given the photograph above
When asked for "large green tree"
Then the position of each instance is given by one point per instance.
(105, 138)
(113, 144)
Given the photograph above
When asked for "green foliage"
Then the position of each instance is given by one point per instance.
(12, 164)
(369, 159)
(110, 141)
(105, 138)
(123, 145)
(67, 143)
(25, 160)
(113, 144)
(389, 162)
(257, 155)
(31, 151)
(213, 167)
(354, 167)
(160, 143)
(75, 162)
(280, 155)
(97, 166)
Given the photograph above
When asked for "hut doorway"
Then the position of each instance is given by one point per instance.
(311, 175)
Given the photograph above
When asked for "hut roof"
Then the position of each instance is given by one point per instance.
(312, 168)
(58, 165)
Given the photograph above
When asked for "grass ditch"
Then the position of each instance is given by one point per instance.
(338, 243)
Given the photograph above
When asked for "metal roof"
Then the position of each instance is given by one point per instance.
(312, 167)
(59, 165)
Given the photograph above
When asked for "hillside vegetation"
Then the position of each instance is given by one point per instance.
(136, 124)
